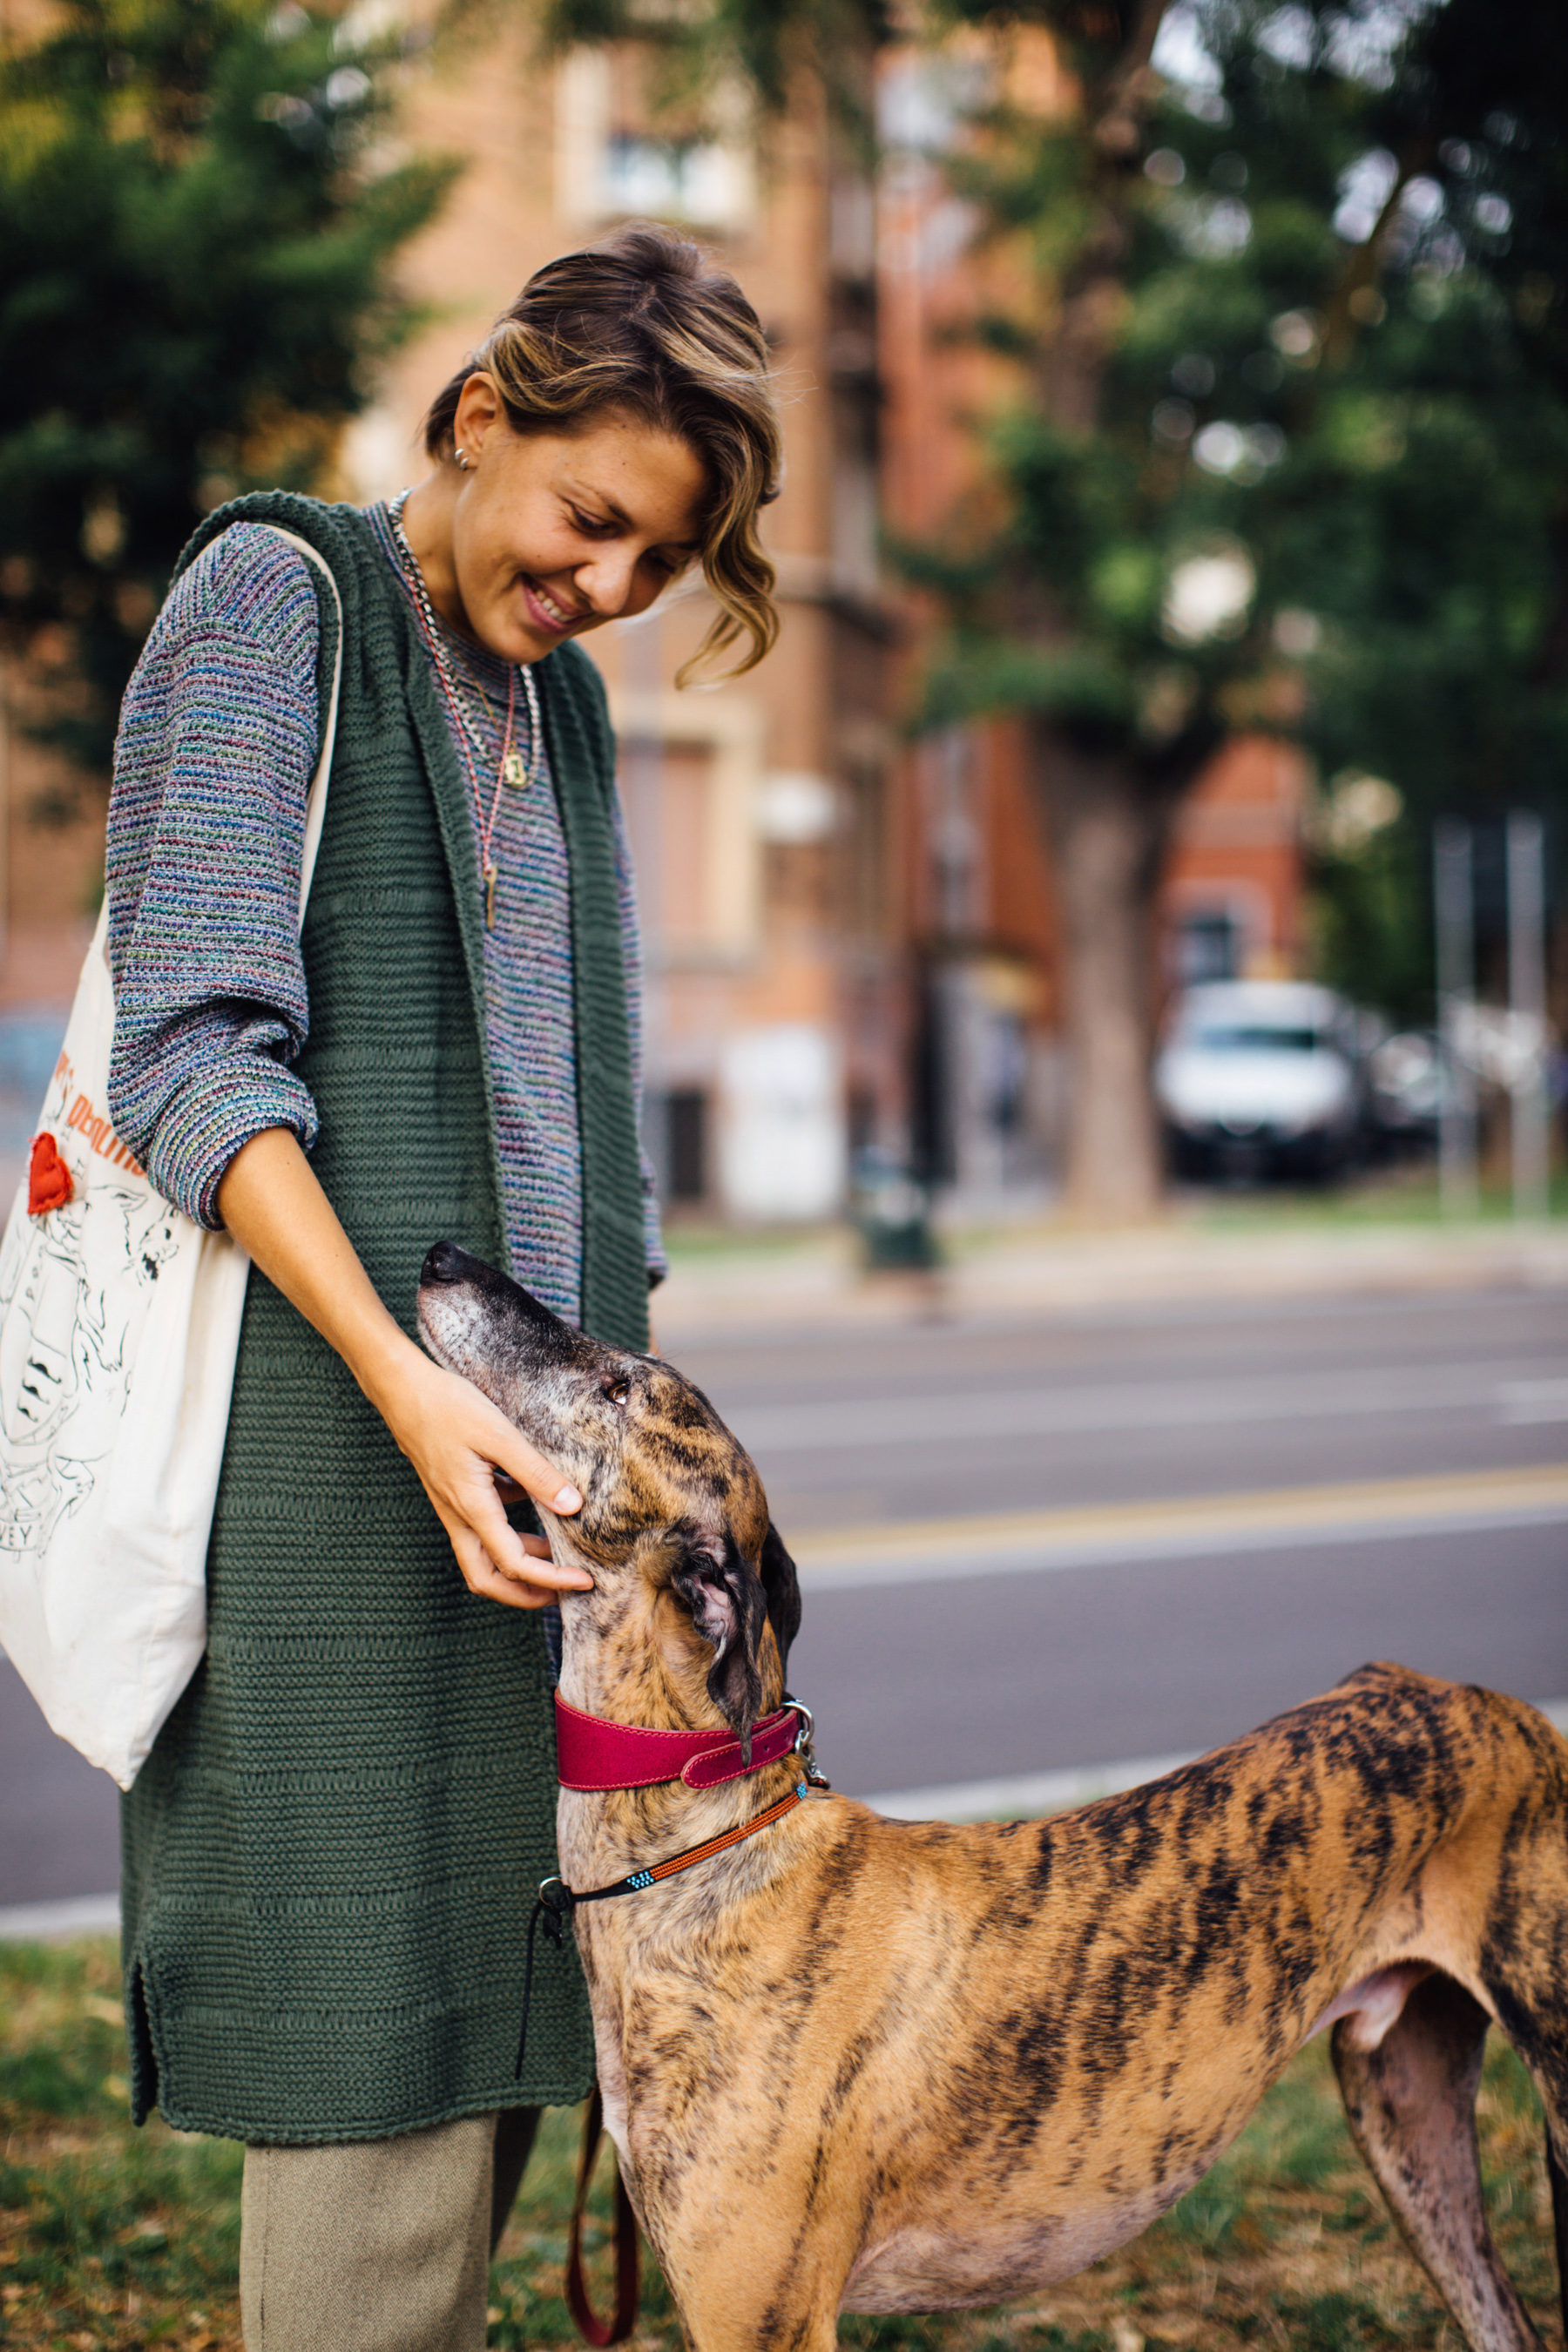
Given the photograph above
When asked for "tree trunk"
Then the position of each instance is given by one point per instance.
(1108, 827)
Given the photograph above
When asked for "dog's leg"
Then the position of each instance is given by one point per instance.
(729, 2315)
(1558, 2176)
(1411, 2101)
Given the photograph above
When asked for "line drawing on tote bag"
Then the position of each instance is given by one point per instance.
(76, 1344)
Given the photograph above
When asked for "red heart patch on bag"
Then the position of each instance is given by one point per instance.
(49, 1184)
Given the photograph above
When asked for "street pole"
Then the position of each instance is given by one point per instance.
(1454, 901)
(1529, 1122)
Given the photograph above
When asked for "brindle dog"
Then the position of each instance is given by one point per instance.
(856, 2064)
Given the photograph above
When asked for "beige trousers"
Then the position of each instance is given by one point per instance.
(379, 2245)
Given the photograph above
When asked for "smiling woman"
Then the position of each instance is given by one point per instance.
(329, 1852)
(549, 535)
(638, 333)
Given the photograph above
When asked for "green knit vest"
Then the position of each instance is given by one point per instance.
(329, 1856)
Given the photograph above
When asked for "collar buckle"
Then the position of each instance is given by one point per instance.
(806, 1728)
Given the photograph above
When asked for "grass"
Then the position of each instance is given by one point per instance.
(1395, 1196)
(111, 2238)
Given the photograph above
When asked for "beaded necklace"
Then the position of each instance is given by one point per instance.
(512, 770)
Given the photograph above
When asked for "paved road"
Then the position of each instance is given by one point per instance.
(1108, 1408)
(997, 1677)
(1115, 1644)
(972, 1675)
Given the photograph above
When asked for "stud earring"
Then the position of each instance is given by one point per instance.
(464, 461)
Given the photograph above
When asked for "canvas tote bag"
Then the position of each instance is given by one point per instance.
(119, 1330)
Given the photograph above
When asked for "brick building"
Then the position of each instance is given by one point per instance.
(756, 808)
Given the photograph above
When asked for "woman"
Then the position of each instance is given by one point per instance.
(329, 1855)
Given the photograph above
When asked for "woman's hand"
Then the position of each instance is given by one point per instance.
(471, 1462)
(456, 1439)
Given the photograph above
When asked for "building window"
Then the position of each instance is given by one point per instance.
(617, 154)
(688, 846)
(1208, 947)
(690, 778)
(689, 180)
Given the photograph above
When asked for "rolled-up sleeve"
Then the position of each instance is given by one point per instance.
(207, 827)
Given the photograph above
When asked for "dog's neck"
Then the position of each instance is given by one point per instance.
(634, 1656)
(631, 1654)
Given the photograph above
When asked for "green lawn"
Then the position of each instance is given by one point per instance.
(1400, 1197)
(113, 2237)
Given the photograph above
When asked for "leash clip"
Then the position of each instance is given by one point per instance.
(805, 1727)
(555, 1900)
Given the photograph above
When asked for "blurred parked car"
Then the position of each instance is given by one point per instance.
(1260, 1079)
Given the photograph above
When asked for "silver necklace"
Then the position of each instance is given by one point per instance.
(515, 770)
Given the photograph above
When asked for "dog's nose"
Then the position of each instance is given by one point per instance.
(445, 1263)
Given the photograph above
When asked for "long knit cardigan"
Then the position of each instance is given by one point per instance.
(329, 1856)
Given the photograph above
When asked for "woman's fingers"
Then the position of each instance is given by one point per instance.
(520, 1468)
(536, 1547)
(531, 1471)
(482, 1575)
(509, 1551)
(502, 1565)
(458, 1442)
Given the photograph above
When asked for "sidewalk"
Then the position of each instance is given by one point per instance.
(724, 1286)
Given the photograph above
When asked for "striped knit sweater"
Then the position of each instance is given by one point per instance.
(217, 742)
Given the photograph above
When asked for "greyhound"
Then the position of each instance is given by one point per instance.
(865, 2065)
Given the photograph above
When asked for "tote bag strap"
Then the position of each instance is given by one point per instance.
(316, 803)
(316, 806)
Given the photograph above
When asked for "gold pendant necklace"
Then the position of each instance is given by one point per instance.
(513, 771)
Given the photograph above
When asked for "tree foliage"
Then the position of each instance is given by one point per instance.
(1331, 354)
(195, 241)
(1392, 468)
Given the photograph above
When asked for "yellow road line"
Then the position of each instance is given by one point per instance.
(1458, 1495)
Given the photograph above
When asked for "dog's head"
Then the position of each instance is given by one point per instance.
(673, 1510)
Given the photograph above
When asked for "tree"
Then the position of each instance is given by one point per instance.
(1288, 456)
(194, 250)
(1445, 667)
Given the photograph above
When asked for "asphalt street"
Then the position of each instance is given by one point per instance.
(994, 1588)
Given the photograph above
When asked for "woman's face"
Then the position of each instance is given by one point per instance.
(553, 534)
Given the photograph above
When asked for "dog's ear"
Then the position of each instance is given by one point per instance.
(781, 1589)
(728, 1609)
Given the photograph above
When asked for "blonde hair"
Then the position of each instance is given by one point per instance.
(646, 325)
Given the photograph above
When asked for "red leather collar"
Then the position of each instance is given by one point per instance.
(592, 1753)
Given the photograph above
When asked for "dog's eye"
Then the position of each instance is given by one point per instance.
(617, 1392)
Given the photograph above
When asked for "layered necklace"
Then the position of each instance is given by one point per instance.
(512, 770)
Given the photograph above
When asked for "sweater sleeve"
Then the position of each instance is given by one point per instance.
(207, 825)
(631, 949)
